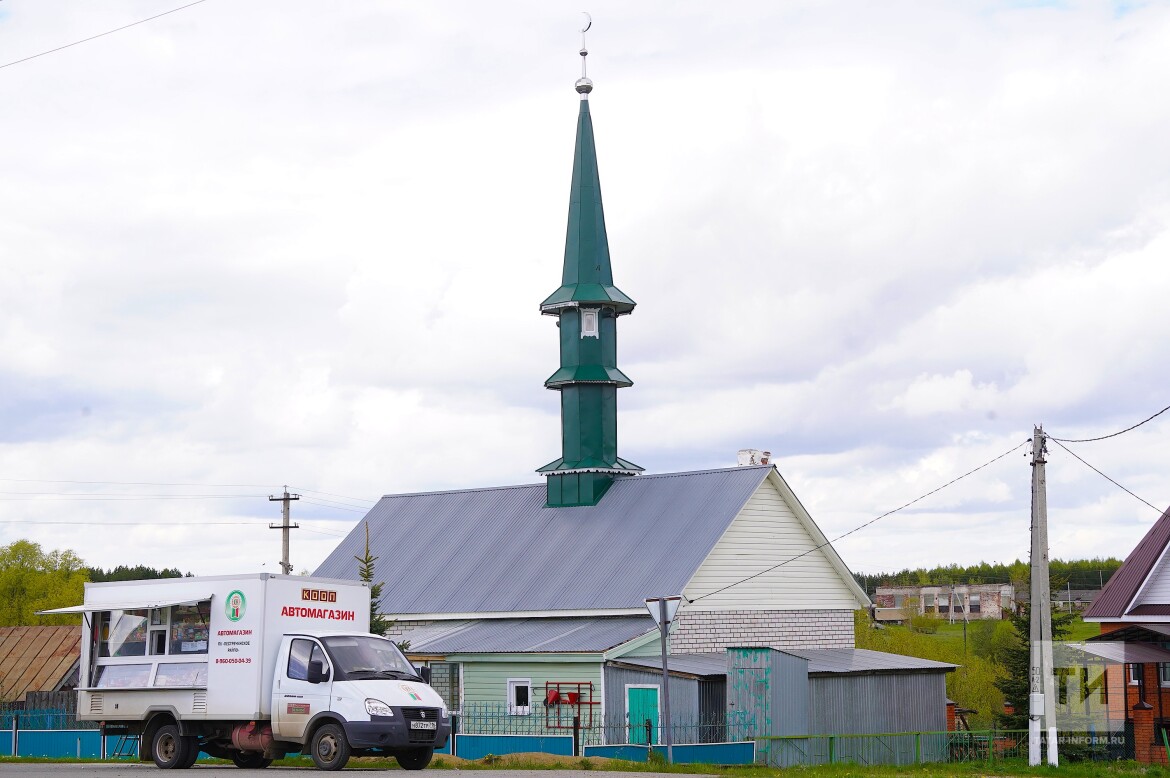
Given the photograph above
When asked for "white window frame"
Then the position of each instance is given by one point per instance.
(513, 708)
(1164, 673)
(1134, 674)
(590, 322)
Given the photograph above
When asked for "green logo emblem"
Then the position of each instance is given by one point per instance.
(236, 605)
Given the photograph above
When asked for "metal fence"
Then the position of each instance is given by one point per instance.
(20, 717)
(499, 719)
(898, 748)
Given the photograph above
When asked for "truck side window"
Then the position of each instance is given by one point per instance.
(300, 654)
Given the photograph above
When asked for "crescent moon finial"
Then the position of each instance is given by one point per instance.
(584, 85)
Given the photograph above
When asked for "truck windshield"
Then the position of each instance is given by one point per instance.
(367, 656)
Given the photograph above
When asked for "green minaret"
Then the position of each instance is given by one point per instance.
(587, 306)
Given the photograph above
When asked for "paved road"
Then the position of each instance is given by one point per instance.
(139, 770)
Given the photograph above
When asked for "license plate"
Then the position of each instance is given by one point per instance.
(424, 725)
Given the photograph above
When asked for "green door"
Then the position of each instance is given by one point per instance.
(642, 706)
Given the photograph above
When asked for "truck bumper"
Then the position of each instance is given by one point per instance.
(395, 732)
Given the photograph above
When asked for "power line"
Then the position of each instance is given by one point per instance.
(336, 506)
(862, 526)
(134, 483)
(63, 497)
(1106, 437)
(101, 34)
(330, 494)
(1107, 478)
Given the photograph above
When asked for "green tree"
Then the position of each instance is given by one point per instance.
(1016, 661)
(136, 573)
(32, 579)
(378, 623)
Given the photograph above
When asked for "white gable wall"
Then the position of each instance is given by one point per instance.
(807, 602)
(1156, 589)
(766, 533)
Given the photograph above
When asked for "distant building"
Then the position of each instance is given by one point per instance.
(958, 602)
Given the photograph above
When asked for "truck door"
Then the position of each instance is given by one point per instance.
(295, 699)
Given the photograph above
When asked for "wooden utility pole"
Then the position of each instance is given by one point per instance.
(1042, 685)
(285, 565)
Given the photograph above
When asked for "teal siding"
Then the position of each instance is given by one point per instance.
(487, 682)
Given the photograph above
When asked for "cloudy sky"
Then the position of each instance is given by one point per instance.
(273, 242)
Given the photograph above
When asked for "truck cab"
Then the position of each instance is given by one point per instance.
(346, 694)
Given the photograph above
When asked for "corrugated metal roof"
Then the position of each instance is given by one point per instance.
(1137, 633)
(1120, 589)
(686, 664)
(37, 659)
(542, 635)
(501, 550)
(1080, 654)
(862, 660)
(820, 660)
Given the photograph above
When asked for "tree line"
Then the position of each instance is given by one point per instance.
(1077, 573)
(32, 579)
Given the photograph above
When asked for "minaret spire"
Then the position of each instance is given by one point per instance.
(587, 306)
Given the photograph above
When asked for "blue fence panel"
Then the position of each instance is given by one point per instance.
(625, 751)
(690, 753)
(6, 743)
(447, 748)
(60, 743)
(712, 753)
(479, 746)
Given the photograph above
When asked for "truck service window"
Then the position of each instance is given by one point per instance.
(122, 633)
(189, 629)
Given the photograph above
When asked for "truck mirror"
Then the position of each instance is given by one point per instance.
(317, 672)
(424, 672)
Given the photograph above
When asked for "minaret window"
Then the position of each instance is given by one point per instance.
(589, 322)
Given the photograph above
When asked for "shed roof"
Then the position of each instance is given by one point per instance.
(827, 661)
(1119, 591)
(500, 550)
(37, 659)
(543, 635)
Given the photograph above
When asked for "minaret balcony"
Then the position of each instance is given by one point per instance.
(587, 374)
(587, 294)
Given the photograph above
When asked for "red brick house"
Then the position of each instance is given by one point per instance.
(1134, 613)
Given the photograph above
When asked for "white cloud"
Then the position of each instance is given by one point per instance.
(252, 244)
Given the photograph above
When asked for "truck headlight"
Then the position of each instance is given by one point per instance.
(378, 708)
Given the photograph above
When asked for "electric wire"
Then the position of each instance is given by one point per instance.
(1106, 437)
(860, 527)
(101, 35)
(330, 494)
(1107, 478)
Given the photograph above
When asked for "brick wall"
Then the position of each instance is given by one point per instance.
(708, 631)
(400, 627)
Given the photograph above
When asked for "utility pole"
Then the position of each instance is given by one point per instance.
(1042, 686)
(285, 565)
(663, 611)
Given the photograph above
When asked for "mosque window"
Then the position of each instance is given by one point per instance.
(589, 323)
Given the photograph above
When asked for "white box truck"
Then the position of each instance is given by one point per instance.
(251, 668)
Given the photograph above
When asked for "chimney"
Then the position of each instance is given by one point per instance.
(748, 457)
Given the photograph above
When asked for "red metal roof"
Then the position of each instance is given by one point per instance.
(1125, 583)
(36, 659)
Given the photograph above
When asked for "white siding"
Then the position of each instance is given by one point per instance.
(765, 533)
(1156, 590)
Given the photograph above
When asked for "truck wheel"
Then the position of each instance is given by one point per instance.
(169, 749)
(250, 760)
(330, 749)
(192, 745)
(415, 758)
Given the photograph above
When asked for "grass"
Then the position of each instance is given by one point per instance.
(532, 761)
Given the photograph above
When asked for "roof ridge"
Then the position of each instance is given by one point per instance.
(677, 474)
